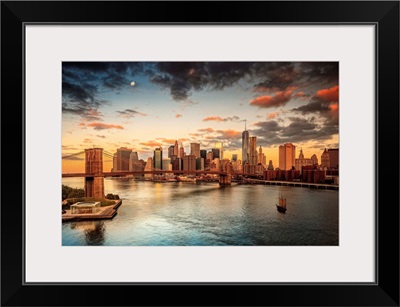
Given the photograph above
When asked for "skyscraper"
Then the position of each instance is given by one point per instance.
(215, 152)
(325, 159)
(166, 164)
(133, 158)
(203, 153)
(171, 150)
(301, 161)
(189, 163)
(234, 157)
(245, 145)
(176, 149)
(115, 163)
(200, 164)
(333, 157)
(195, 149)
(123, 157)
(181, 152)
(253, 150)
(314, 159)
(149, 167)
(261, 157)
(220, 146)
(157, 158)
(287, 153)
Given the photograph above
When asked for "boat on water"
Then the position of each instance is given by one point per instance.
(282, 204)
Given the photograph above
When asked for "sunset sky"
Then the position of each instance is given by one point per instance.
(144, 105)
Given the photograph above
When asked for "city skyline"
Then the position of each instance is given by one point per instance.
(145, 105)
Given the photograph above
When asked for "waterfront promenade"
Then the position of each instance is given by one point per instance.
(292, 183)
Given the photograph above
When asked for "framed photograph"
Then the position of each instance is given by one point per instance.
(241, 151)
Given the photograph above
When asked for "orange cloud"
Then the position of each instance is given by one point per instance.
(178, 115)
(272, 115)
(168, 141)
(93, 112)
(151, 144)
(206, 130)
(210, 118)
(229, 133)
(280, 99)
(301, 95)
(329, 95)
(334, 107)
(102, 126)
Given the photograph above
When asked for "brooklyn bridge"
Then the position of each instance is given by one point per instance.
(94, 174)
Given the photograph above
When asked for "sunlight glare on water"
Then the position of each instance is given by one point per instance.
(205, 214)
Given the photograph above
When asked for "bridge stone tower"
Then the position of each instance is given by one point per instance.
(227, 168)
(94, 185)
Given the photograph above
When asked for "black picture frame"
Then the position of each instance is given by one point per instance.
(383, 14)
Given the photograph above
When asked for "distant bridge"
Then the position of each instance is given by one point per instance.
(94, 174)
(154, 172)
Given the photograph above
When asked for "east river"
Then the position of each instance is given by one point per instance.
(203, 214)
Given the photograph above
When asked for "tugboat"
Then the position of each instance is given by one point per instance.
(282, 204)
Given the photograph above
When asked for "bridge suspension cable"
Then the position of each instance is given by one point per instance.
(105, 154)
(73, 155)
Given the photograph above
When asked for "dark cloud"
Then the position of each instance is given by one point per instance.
(108, 74)
(323, 72)
(81, 100)
(182, 78)
(103, 126)
(276, 76)
(325, 104)
(82, 83)
(298, 130)
(129, 113)
(298, 126)
(73, 92)
(270, 125)
(312, 107)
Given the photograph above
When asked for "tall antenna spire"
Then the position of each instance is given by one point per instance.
(245, 124)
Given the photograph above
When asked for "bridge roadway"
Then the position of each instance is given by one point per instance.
(159, 172)
(245, 180)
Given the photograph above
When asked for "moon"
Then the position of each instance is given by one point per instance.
(133, 83)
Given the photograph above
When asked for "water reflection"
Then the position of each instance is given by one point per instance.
(181, 214)
(94, 231)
